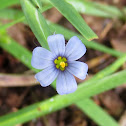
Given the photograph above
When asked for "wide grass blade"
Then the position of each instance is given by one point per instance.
(74, 17)
(37, 22)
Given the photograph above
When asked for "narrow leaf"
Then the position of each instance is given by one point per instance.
(74, 17)
(37, 22)
(90, 109)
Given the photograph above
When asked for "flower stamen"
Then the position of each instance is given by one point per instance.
(61, 63)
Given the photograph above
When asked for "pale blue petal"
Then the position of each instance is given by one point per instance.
(47, 76)
(57, 44)
(75, 49)
(65, 83)
(41, 58)
(78, 69)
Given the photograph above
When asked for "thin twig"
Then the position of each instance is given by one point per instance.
(13, 80)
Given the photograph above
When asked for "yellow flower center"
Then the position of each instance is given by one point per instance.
(61, 63)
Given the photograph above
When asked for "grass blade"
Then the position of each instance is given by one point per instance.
(73, 16)
(90, 109)
(37, 22)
